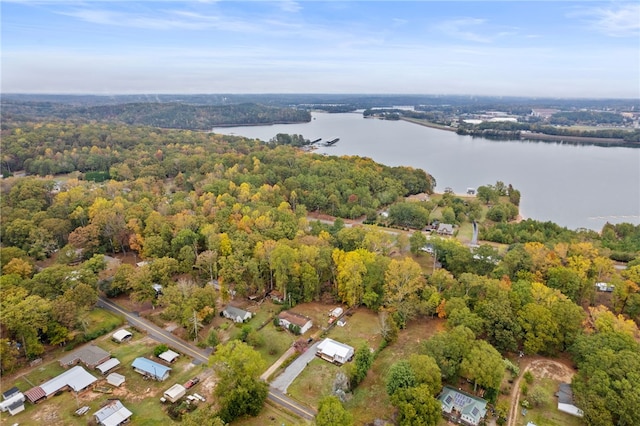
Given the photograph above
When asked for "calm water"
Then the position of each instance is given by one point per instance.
(573, 186)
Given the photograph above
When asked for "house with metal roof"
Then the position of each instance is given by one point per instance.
(115, 379)
(461, 407)
(89, 355)
(236, 314)
(175, 392)
(76, 379)
(335, 352)
(112, 414)
(152, 369)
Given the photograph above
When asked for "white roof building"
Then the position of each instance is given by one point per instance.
(112, 414)
(121, 335)
(108, 365)
(115, 379)
(335, 352)
(169, 356)
(175, 392)
(76, 378)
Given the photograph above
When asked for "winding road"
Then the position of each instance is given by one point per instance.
(199, 355)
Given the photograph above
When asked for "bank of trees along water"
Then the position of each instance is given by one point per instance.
(207, 207)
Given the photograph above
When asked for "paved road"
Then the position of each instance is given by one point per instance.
(294, 369)
(198, 354)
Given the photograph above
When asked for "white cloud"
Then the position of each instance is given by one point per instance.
(463, 29)
(621, 20)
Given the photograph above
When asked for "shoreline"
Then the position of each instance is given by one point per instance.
(539, 137)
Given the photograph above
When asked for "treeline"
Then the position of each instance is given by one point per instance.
(568, 118)
(511, 130)
(163, 115)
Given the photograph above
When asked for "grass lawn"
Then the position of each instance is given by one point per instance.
(315, 382)
(547, 414)
(370, 400)
(361, 327)
(275, 343)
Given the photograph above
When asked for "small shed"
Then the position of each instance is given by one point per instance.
(9, 393)
(121, 335)
(112, 414)
(333, 351)
(175, 392)
(108, 365)
(169, 356)
(236, 314)
(336, 312)
(115, 379)
(152, 369)
(287, 318)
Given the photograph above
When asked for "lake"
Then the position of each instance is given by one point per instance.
(572, 185)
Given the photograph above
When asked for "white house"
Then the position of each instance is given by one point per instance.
(236, 314)
(287, 318)
(13, 404)
(121, 335)
(175, 392)
(335, 352)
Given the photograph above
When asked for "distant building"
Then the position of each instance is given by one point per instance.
(445, 229)
(286, 318)
(606, 287)
(112, 414)
(460, 407)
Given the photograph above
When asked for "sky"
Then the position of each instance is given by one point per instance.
(575, 49)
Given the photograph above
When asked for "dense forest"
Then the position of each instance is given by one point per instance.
(200, 207)
(171, 115)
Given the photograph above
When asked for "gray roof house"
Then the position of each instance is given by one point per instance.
(89, 355)
(76, 379)
(460, 407)
(445, 229)
(236, 314)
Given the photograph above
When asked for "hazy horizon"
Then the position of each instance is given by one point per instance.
(557, 50)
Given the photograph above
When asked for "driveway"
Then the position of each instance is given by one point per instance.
(284, 380)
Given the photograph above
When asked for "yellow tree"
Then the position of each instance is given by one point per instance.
(350, 270)
(402, 284)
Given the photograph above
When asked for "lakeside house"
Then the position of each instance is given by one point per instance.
(287, 318)
(461, 407)
(335, 352)
(89, 355)
(151, 369)
(112, 414)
